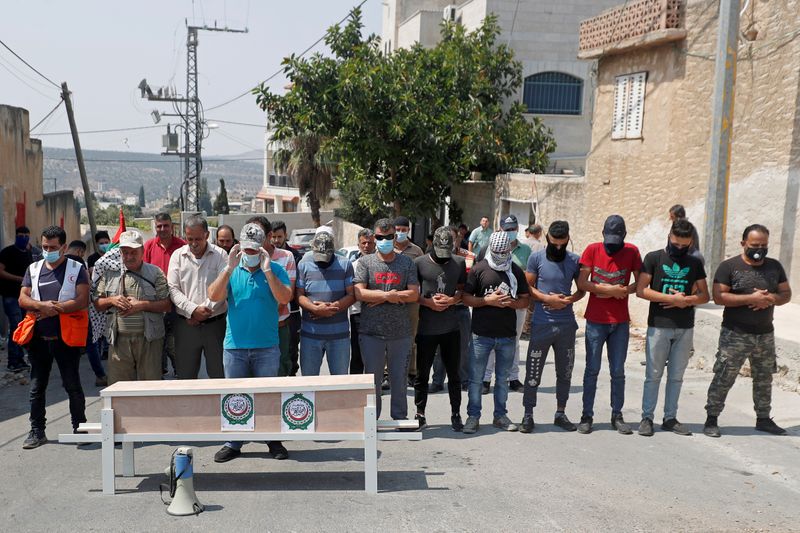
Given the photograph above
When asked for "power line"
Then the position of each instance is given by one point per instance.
(236, 123)
(152, 161)
(280, 70)
(54, 84)
(112, 130)
(47, 115)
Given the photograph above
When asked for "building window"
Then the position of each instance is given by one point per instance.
(629, 93)
(553, 93)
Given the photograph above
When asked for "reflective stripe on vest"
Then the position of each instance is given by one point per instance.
(67, 291)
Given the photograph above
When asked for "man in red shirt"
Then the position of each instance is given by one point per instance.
(158, 251)
(606, 270)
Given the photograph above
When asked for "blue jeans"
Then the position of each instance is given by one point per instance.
(670, 347)
(93, 353)
(313, 350)
(615, 337)
(503, 352)
(250, 363)
(14, 314)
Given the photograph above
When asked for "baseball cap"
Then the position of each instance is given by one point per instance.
(131, 239)
(509, 223)
(322, 247)
(251, 237)
(443, 242)
(614, 230)
(324, 229)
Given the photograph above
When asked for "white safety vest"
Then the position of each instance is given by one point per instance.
(67, 287)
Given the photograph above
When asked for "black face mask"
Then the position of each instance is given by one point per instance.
(756, 254)
(554, 253)
(324, 264)
(439, 260)
(611, 249)
(676, 252)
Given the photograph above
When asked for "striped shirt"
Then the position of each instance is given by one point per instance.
(325, 285)
(285, 259)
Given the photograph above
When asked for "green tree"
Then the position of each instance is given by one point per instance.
(204, 200)
(221, 206)
(409, 125)
(141, 196)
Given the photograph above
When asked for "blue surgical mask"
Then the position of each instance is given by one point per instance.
(52, 257)
(22, 241)
(251, 261)
(512, 235)
(401, 236)
(103, 247)
(385, 247)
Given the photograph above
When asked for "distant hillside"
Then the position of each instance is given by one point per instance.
(242, 174)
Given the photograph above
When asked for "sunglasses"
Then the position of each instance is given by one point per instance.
(384, 237)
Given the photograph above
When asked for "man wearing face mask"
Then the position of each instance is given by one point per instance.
(606, 271)
(14, 262)
(103, 241)
(442, 276)
(324, 292)
(495, 289)
(137, 296)
(674, 281)
(749, 285)
(519, 255)
(366, 246)
(200, 326)
(56, 290)
(404, 246)
(385, 283)
(254, 286)
(550, 274)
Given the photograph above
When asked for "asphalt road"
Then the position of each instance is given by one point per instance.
(492, 481)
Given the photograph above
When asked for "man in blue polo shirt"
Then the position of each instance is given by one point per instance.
(254, 286)
(324, 292)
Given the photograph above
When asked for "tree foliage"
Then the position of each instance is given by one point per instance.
(204, 199)
(141, 196)
(408, 125)
(221, 206)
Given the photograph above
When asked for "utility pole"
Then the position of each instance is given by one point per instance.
(721, 133)
(193, 120)
(87, 195)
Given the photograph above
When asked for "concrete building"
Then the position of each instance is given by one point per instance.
(22, 200)
(557, 86)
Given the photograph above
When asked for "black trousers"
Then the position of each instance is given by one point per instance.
(41, 354)
(449, 345)
(356, 362)
(295, 321)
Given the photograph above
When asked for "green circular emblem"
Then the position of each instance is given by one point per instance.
(237, 408)
(298, 412)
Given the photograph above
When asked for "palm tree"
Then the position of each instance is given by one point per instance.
(303, 158)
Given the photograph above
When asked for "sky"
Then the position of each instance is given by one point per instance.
(103, 49)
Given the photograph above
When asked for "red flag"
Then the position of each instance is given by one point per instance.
(121, 228)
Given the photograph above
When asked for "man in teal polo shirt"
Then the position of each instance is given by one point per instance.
(254, 286)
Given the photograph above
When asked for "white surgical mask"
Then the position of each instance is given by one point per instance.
(52, 257)
(251, 260)
(401, 236)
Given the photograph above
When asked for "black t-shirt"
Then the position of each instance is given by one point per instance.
(92, 259)
(744, 279)
(439, 279)
(490, 321)
(667, 274)
(16, 262)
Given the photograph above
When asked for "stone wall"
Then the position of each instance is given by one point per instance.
(21, 188)
(476, 199)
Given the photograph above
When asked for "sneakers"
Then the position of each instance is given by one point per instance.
(421, 420)
(527, 424)
(35, 439)
(563, 422)
(456, 423)
(278, 450)
(433, 388)
(485, 388)
(225, 454)
(515, 385)
(768, 426)
(504, 423)
(585, 425)
(618, 423)
(710, 428)
(472, 425)
(22, 366)
(676, 427)
(646, 427)
(101, 381)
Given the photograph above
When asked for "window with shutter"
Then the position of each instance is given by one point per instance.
(629, 95)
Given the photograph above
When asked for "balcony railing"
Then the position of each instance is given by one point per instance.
(635, 23)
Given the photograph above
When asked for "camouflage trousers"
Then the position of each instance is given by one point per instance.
(734, 348)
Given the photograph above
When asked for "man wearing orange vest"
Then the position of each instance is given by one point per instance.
(56, 290)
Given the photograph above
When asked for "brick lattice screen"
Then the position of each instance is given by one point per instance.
(632, 20)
